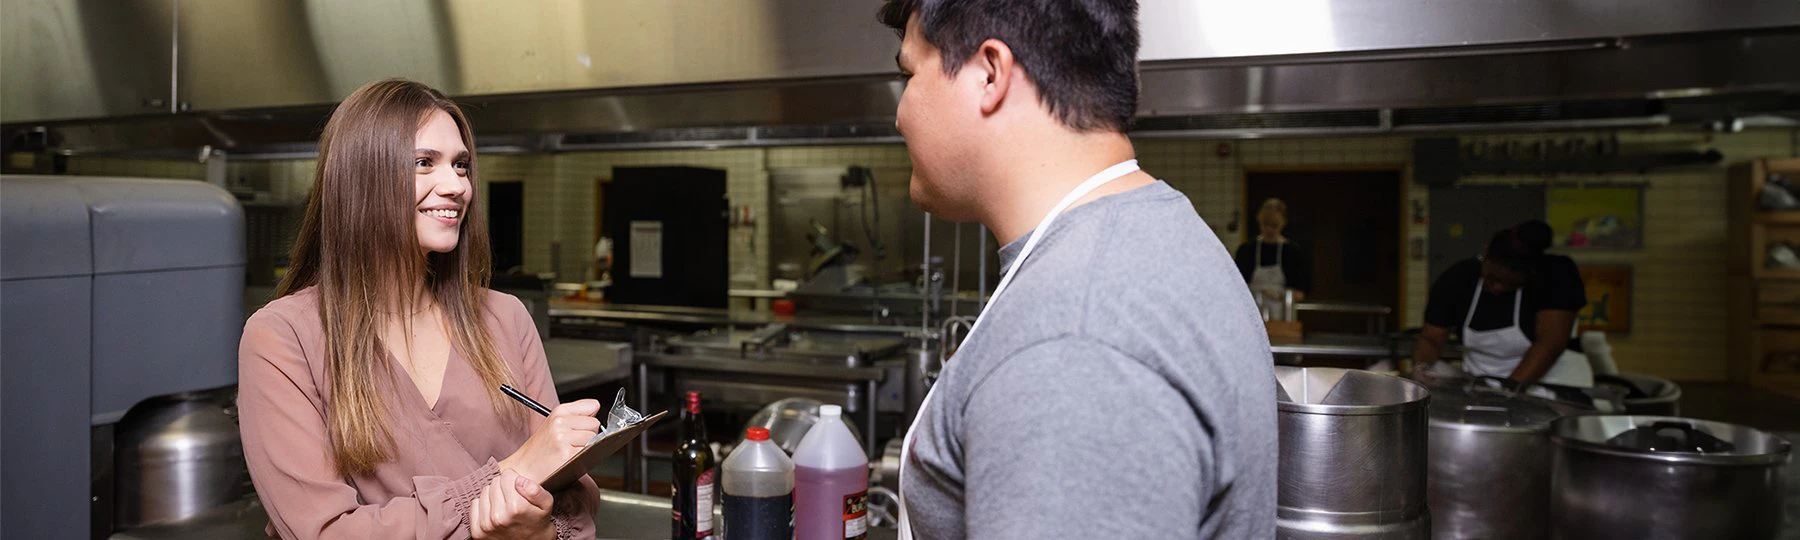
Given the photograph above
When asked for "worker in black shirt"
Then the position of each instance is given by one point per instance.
(1514, 307)
(1271, 264)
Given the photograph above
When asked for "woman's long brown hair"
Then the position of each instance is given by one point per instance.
(358, 245)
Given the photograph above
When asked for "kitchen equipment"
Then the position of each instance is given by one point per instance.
(1660, 477)
(1353, 449)
(1643, 394)
(178, 456)
(117, 290)
(1490, 451)
(747, 369)
(885, 470)
(789, 419)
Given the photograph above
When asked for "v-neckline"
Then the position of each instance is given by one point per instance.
(419, 395)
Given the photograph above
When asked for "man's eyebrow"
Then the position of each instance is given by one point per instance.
(899, 63)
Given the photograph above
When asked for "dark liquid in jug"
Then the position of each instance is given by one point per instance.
(759, 518)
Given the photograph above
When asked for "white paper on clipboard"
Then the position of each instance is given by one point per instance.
(646, 249)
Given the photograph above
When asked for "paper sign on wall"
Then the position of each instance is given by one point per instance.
(646, 249)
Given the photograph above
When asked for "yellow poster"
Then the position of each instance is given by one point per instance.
(1608, 299)
(1596, 217)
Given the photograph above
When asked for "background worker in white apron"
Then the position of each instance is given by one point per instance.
(1271, 264)
(1118, 384)
(1514, 307)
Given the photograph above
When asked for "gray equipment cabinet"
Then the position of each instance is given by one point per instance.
(112, 291)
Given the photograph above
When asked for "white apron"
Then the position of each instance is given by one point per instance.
(1114, 172)
(1268, 283)
(1497, 352)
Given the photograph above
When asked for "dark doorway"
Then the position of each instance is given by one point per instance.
(1349, 221)
(506, 224)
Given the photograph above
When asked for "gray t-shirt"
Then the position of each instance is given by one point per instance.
(1121, 387)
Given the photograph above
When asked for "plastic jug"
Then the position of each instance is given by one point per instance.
(759, 490)
(831, 481)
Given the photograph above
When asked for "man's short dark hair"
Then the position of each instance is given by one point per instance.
(1081, 54)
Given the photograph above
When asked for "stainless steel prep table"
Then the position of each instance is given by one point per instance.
(741, 380)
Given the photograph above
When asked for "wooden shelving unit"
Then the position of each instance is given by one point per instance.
(1789, 217)
(1765, 301)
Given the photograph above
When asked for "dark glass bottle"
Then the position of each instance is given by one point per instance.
(696, 474)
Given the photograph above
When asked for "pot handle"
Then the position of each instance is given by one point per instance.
(1691, 438)
(1488, 409)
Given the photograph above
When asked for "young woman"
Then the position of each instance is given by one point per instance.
(369, 390)
(1271, 264)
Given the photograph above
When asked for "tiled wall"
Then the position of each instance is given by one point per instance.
(1679, 319)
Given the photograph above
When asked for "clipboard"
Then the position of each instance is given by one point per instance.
(606, 445)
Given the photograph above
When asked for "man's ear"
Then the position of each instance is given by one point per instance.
(994, 62)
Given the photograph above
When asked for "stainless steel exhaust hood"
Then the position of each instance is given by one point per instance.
(252, 77)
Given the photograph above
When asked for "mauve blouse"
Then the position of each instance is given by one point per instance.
(443, 455)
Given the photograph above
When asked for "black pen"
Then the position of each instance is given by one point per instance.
(539, 407)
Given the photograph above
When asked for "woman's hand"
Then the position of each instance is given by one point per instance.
(564, 433)
(512, 507)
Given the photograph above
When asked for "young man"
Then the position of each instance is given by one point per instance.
(1120, 383)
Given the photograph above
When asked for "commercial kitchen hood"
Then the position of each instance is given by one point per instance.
(171, 76)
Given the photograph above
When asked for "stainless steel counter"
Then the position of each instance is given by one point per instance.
(1353, 308)
(1354, 346)
(577, 364)
(1342, 345)
(663, 315)
(763, 367)
(1319, 344)
(622, 515)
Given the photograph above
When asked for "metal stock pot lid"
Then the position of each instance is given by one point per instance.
(1670, 439)
(1482, 409)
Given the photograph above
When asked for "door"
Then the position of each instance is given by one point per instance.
(1464, 218)
(506, 224)
(1349, 224)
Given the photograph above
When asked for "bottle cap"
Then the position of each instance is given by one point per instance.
(830, 411)
(757, 434)
(693, 402)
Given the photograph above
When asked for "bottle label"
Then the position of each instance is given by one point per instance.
(703, 504)
(856, 516)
